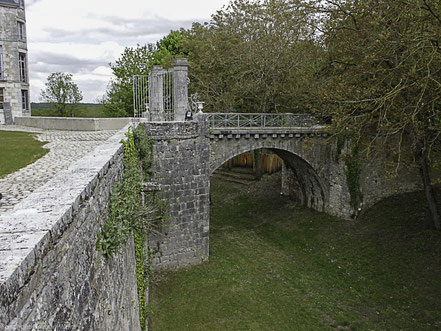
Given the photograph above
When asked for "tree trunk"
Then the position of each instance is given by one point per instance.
(428, 189)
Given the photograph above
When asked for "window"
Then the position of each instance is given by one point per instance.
(22, 66)
(24, 100)
(2, 97)
(20, 30)
(1, 63)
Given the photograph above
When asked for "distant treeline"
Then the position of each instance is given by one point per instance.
(45, 105)
(90, 110)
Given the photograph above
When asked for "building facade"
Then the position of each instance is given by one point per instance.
(14, 74)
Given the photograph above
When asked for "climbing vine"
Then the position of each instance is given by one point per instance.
(353, 171)
(132, 211)
(353, 167)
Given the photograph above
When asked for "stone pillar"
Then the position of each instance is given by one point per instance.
(257, 164)
(156, 93)
(285, 185)
(180, 88)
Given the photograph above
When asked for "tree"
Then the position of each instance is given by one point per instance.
(118, 100)
(382, 77)
(254, 56)
(62, 92)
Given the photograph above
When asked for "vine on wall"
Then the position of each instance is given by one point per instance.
(132, 211)
(353, 168)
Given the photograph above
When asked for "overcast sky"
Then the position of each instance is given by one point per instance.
(81, 37)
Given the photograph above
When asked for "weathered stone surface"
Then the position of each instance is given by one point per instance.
(51, 275)
(181, 164)
(12, 45)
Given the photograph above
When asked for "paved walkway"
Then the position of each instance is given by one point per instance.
(65, 148)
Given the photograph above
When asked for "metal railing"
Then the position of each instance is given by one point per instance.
(263, 120)
(140, 94)
(154, 93)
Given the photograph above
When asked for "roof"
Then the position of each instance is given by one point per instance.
(9, 2)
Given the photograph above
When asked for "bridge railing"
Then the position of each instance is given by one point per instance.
(259, 120)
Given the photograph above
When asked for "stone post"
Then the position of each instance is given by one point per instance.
(156, 93)
(180, 88)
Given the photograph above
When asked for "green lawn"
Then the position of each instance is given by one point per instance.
(17, 150)
(278, 266)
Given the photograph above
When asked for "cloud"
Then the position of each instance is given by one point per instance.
(54, 62)
(121, 30)
(83, 36)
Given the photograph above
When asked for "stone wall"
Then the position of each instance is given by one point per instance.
(73, 124)
(51, 275)
(181, 165)
(377, 182)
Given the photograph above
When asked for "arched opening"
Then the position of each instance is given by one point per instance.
(299, 180)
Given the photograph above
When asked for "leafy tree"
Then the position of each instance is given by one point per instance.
(62, 92)
(118, 100)
(254, 56)
(170, 47)
(383, 77)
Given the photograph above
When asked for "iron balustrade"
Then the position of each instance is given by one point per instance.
(259, 120)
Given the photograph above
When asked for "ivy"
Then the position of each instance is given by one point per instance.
(131, 211)
(353, 171)
(353, 167)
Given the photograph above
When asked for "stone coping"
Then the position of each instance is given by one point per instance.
(36, 223)
(73, 123)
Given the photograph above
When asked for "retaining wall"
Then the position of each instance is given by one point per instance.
(51, 275)
(72, 123)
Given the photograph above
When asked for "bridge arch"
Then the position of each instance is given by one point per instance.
(304, 164)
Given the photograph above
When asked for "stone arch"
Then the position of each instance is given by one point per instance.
(314, 191)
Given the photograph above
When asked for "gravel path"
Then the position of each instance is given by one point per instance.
(65, 148)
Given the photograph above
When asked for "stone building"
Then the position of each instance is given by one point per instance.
(14, 77)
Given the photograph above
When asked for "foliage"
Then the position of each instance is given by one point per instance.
(18, 150)
(118, 100)
(353, 171)
(61, 91)
(128, 213)
(132, 213)
(382, 77)
(278, 266)
(142, 282)
(170, 47)
(254, 56)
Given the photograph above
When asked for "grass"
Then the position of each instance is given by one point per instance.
(275, 265)
(17, 150)
(82, 110)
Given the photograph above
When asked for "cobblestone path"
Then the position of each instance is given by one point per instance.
(65, 148)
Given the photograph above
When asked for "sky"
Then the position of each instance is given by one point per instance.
(82, 37)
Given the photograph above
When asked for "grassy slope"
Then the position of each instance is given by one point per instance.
(277, 266)
(17, 150)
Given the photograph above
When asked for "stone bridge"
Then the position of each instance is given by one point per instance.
(188, 152)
